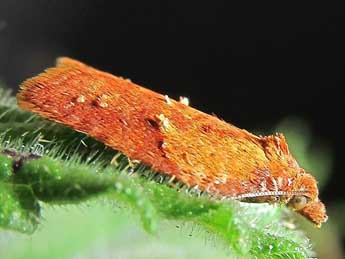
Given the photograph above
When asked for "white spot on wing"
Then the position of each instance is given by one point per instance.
(81, 99)
(164, 120)
(184, 100)
(167, 99)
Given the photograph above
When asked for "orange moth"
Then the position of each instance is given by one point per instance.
(195, 148)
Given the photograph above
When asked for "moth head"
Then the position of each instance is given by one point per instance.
(305, 200)
(315, 211)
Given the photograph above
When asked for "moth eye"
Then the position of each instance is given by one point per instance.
(275, 198)
(298, 202)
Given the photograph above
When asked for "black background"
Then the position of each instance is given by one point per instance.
(251, 64)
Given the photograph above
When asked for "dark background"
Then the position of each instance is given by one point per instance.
(251, 64)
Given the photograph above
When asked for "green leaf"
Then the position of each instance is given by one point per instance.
(19, 209)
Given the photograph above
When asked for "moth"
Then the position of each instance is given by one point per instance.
(174, 139)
